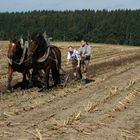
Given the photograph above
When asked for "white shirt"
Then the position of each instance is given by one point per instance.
(74, 55)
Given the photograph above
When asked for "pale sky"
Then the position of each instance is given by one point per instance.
(29, 5)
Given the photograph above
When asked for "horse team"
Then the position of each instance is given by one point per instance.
(31, 58)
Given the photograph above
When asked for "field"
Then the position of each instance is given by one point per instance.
(107, 108)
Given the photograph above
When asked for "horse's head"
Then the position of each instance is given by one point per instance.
(37, 42)
(14, 47)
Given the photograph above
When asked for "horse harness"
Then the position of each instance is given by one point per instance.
(10, 61)
(47, 56)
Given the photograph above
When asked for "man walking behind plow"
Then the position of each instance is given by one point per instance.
(85, 55)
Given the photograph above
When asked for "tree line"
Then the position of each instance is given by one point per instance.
(115, 27)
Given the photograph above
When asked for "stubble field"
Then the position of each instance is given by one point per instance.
(107, 108)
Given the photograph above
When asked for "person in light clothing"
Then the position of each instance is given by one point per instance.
(73, 56)
(85, 55)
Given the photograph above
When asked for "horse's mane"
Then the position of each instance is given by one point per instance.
(40, 41)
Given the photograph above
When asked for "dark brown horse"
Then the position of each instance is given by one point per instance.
(17, 61)
(46, 57)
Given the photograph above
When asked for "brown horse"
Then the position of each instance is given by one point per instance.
(17, 61)
(46, 57)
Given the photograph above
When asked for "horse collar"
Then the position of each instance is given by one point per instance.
(45, 56)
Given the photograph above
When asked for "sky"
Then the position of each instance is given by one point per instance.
(29, 5)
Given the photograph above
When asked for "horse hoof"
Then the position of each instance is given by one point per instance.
(83, 81)
(30, 85)
(10, 90)
(43, 89)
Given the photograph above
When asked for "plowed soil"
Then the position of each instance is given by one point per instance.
(106, 108)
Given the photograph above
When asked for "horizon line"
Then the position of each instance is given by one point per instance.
(27, 11)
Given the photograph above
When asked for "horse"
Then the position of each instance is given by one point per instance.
(45, 56)
(17, 61)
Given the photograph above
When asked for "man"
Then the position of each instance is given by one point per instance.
(74, 58)
(85, 55)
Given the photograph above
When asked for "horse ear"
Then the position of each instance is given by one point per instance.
(28, 35)
(38, 34)
(21, 40)
(29, 39)
(45, 36)
(10, 39)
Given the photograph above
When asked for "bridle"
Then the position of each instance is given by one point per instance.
(10, 60)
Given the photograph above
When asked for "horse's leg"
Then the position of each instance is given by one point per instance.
(24, 76)
(34, 73)
(35, 70)
(24, 81)
(58, 77)
(54, 76)
(30, 78)
(10, 72)
(46, 83)
(46, 79)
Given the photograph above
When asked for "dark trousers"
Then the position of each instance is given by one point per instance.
(84, 64)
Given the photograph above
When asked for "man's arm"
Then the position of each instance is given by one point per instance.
(88, 52)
